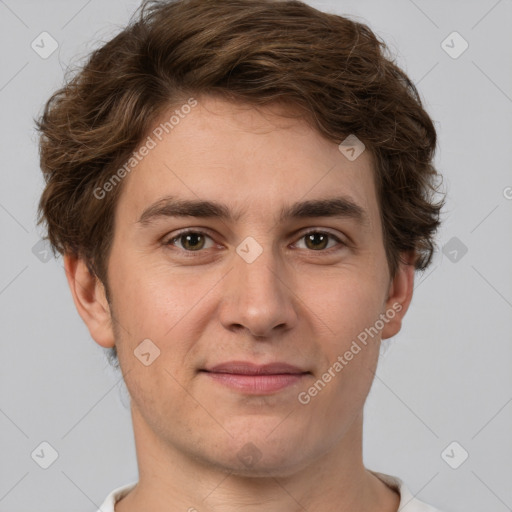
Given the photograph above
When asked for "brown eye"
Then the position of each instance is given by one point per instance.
(318, 240)
(191, 241)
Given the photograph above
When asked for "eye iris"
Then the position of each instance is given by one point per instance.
(315, 236)
(192, 236)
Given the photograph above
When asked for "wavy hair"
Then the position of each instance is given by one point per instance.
(334, 72)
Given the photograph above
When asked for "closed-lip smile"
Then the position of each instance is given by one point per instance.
(256, 379)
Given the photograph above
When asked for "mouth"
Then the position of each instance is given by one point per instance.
(255, 379)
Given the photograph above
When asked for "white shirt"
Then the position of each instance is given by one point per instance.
(408, 503)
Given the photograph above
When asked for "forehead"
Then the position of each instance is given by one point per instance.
(254, 160)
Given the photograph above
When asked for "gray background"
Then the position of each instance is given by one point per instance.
(446, 377)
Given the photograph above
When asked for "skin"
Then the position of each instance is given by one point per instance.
(299, 303)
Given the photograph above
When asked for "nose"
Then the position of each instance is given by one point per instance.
(258, 296)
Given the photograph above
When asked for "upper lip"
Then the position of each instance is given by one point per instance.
(248, 368)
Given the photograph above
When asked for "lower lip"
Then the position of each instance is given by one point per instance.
(257, 384)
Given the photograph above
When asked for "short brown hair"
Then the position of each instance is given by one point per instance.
(334, 71)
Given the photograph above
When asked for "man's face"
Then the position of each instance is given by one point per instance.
(254, 289)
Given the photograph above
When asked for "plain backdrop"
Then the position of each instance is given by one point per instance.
(443, 389)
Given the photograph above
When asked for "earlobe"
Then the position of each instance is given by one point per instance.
(90, 300)
(400, 296)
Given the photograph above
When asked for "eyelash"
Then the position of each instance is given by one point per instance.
(178, 235)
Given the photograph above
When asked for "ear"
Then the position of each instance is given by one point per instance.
(399, 295)
(90, 300)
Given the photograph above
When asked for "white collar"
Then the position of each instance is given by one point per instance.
(408, 502)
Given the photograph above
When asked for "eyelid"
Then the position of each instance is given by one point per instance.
(326, 231)
(186, 231)
(167, 241)
(342, 242)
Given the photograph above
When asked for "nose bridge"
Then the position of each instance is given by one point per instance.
(258, 264)
(258, 297)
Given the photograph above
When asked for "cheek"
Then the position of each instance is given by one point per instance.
(353, 304)
(152, 301)
(351, 355)
(171, 310)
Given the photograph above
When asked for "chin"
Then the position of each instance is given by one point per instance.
(260, 456)
(269, 466)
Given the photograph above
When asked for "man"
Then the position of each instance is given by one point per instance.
(242, 191)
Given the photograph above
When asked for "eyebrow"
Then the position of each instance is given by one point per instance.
(169, 206)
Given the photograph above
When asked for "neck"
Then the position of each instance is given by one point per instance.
(171, 480)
